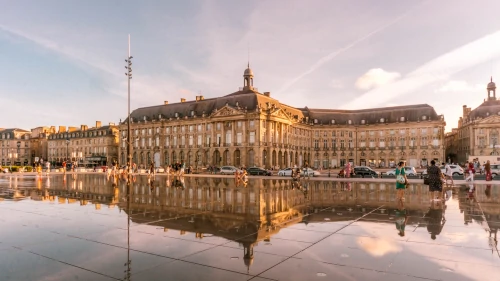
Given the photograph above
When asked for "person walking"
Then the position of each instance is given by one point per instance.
(435, 180)
(348, 170)
(64, 167)
(448, 173)
(47, 166)
(401, 182)
(487, 170)
(470, 171)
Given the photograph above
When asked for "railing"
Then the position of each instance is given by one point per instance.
(423, 146)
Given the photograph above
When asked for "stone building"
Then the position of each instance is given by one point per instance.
(96, 146)
(15, 147)
(249, 128)
(39, 144)
(478, 130)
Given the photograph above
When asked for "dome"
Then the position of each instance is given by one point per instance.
(491, 85)
(248, 72)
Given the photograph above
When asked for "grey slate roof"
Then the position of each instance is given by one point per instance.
(486, 109)
(250, 100)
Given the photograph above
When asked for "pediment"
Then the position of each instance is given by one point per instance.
(282, 114)
(226, 111)
(494, 119)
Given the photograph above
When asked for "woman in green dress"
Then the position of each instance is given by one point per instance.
(401, 181)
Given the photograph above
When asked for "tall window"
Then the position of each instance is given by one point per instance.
(157, 141)
(342, 144)
(167, 141)
(228, 137)
(183, 140)
(251, 139)
(251, 123)
(239, 138)
(191, 140)
(200, 139)
(325, 143)
(316, 143)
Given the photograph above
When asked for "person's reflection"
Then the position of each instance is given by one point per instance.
(151, 182)
(435, 219)
(401, 221)
(470, 193)
(487, 191)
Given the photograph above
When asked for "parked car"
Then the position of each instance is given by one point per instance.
(495, 169)
(229, 170)
(285, 172)
(309, 172)
(456, 170)
(409, 171)
(365, 171)
(255, 171)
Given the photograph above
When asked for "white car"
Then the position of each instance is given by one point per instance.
(409, 171)
(309, 172)
(229, 170)
(285, 172)
(456, 170)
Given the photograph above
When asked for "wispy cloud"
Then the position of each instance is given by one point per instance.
(454, 86)
(336, 53)
(376, 77)
(438, 69)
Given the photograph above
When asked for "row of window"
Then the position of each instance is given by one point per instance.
(79, 134)
(363, 121)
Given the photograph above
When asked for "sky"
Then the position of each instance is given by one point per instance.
(62, 62)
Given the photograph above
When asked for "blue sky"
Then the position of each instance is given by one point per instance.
(62, 62)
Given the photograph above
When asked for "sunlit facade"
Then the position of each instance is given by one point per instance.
(249, 128)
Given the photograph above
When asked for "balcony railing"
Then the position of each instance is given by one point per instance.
(227, 144)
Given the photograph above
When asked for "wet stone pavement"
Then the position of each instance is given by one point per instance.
(90, 227)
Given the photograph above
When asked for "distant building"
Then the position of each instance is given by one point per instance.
(15, 147)
(88, 146)
(249, 128)
(39, 144)
(478, 130)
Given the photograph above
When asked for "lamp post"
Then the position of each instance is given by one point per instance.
(11, 156)
(18, 149)
(129, 76)
(67, 149)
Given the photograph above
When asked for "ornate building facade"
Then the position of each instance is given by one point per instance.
(88, 146)
(249, 128)
(477, 133)
(15, 147)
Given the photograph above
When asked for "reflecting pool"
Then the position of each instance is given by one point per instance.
(93, 227)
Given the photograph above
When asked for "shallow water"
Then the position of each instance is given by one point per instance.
(85, 227)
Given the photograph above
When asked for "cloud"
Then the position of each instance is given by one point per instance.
(376, 77)
(438, 69)
(378, 247)
(334, 54)
(459, 86)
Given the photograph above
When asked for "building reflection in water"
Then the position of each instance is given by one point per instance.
(256, 211)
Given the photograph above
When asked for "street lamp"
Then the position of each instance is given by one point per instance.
(11, 156)
(67, 148)
(18, 149)
(129, 76)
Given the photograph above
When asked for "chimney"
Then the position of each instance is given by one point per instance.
(84, 127)
(62, 129)
(165, 102)
(267, 94)
(72, 129)
(111, 123)
(198, 98)
(183, 100)
(97, 124)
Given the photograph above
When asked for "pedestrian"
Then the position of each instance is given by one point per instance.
(183, 167)
(64, 167)
(470, 171)
(47, 166)
(487, 171)
(401, 182)
(348, 170)
(152, 169)
(448, 173)
(435, 180)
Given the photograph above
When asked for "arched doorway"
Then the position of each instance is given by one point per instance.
(217, 159)
(157, 159)
(264, 158)
(286, 160)
(135, 157)
(280, 159)
(251, 158)
(198, 158)
(181, 156)
(227, 158)
(142, 159)
(273, 159)
(206, 160)
(122, 159)
(174, 157)
(167, 159)
(148, 159)
(189, 158)
(237, 160)
(296, 158)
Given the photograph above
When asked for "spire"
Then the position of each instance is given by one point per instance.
(491, 78)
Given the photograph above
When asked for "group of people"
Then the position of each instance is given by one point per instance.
(474, 166)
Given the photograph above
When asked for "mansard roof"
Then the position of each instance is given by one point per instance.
(487, 108)
(252, 100)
